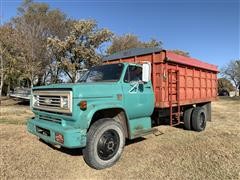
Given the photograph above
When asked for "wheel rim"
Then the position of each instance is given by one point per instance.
(108, 144)
(202, 120)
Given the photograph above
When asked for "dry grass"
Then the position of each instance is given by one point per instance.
(176, 154)
(14, 112)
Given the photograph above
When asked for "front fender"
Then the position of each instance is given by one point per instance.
(99, 107)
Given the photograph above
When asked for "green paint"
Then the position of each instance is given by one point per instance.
(138, 126)
(137, 103)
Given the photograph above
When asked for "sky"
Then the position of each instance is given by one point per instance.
(208, 29)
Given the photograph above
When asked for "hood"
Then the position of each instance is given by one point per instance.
(55, 86)
(86, 90)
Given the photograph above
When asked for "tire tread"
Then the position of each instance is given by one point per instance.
(195, 118)
(187, 117)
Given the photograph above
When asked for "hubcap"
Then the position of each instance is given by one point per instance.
(108, 144)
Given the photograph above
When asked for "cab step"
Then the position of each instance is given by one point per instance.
(140, 133)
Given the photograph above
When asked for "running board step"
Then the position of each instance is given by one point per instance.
(143, 132)
(175, 124)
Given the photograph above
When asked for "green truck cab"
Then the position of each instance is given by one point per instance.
(110, 103)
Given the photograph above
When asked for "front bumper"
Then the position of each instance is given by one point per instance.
(73, 137)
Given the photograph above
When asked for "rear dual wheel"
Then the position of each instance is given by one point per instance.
(187, 118)
(199, 119)
(195, 119)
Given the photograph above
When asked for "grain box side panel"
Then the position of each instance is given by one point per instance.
(196, 85)
(214, 85)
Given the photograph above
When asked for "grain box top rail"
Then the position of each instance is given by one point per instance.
(169, 56)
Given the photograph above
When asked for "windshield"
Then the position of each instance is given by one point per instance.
(108, 73)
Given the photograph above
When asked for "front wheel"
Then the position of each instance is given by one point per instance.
(105, 143)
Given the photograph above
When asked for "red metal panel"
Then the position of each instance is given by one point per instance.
(197, 80)
(190, 61)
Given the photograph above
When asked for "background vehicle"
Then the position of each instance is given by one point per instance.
(125, 98)
(223, 92)
(21, 93)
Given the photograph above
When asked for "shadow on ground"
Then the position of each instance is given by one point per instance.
(78, 151)
(9, 101)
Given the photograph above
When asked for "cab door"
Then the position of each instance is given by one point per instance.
(138, 96)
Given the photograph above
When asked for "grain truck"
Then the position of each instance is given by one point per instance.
(125, 98)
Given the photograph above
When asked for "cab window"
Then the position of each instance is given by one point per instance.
(133, 73)
(104, 73)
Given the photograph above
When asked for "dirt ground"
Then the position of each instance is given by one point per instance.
(176, 154)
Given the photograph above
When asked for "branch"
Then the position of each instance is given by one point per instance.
(68, 75)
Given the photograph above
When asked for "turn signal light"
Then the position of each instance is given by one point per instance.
(83, 105)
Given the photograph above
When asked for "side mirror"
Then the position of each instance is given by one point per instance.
(146, 71)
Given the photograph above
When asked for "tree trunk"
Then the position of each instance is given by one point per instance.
(41, 80)
(70, 77)
(1, 85)
(239, 90)
(236, 88)
(31, 81)
(2, 73)
(8, 89)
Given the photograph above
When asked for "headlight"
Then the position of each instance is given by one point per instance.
(64, 102)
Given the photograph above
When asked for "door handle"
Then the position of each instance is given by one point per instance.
(149, 87)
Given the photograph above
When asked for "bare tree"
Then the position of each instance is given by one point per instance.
(2, 69)
(35, 23)
(231, 71)
(129, 41)
(78, 49)
(225, 84)
(181, 52)
(9, 55)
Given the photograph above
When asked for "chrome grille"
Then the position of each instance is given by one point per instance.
(54, 101)
(47, 118)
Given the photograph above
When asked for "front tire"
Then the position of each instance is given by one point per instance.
(105, 143)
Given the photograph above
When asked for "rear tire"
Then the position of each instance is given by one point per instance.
(105, 143)
(199, 119)
(187, 118)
